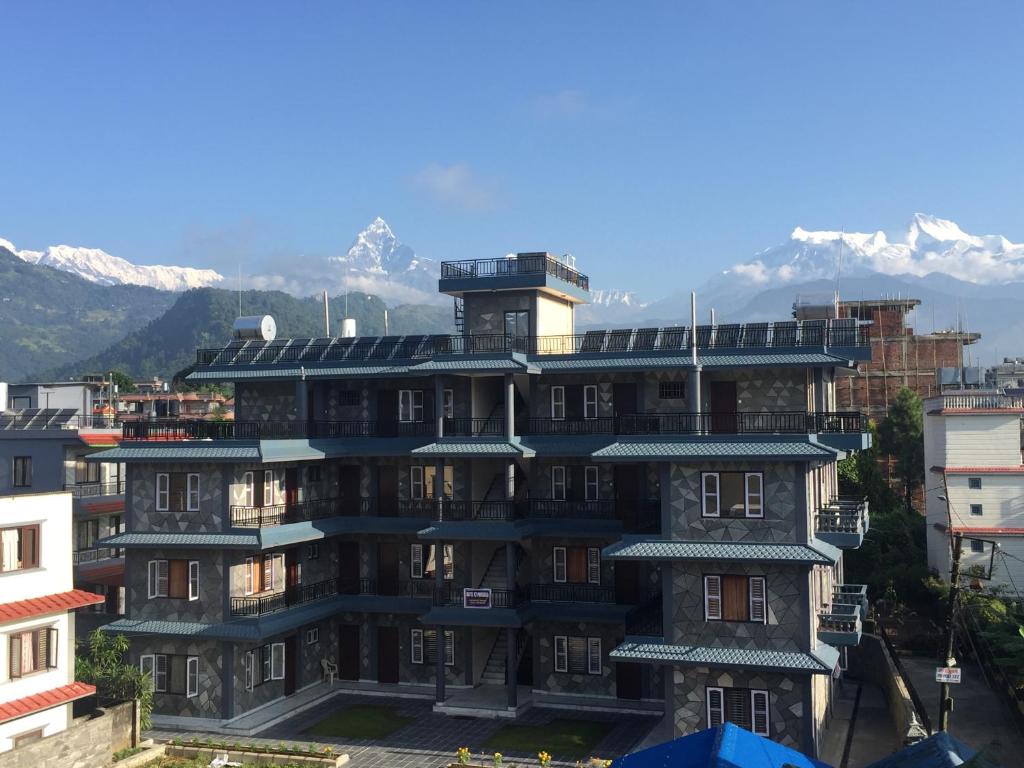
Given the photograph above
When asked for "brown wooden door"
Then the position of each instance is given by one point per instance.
(387, 654)
(348, 652)
(291, 486)
(723, 405)
(387, 569)
(290, 651)
(387, 412)
(293, 573)
(735, 601)
(348, 489)
(624, 397)
(627, 493)
(576, 565)
(348, 567)
(628, 680)
(387, 491)
(627, 582)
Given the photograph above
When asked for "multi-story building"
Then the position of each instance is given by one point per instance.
(515, 515)
(37, 622)
(975, 483)
(44, 451)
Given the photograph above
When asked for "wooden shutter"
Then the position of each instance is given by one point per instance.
(30, 546)
(250, 576)
(594, 655)
(52, 647)
(192, 676)
(712, 598)
(757, 599)
(561, 645)
(759, 712)
(577, 655)
(42, 649)
(558, 564)
(14, 656)
(178, 585)
(576, 565)
(416, 646)
(449, 648)
(594, 565)
(160, 672)
(193, 579)
(734, 598)
(737, 707)
(714, 698)
(416, 561)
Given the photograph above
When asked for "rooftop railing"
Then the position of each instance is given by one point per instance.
(190, 429)
(86, 490)
(55, 418)
(791, 334)
(967, 401)
(843, 515)
(521, 264)
(95, 554)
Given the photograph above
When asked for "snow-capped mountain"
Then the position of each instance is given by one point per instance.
(376, 254)
(100, 267)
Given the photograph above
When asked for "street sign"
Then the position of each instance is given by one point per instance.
(948, 674)
(476, 597)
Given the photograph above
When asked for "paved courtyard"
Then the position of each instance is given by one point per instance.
(431, 740)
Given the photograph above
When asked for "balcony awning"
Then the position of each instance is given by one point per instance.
(39, 702)
(816, 552)
(59, 602)
(182, 540)
(662, 449)
(821, 661)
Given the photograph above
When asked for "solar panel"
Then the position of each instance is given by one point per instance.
(6, 420)
(844, 332)
(673, 338)
(704, 336)
(812, 333)
(361, 349)
(315, 349)
(227, 354)
(339, 350)
(728, 335)
(272, 350)
(645, 338)
(385, 347)
(784, 334)
(618, 340)
(412, 346)
(756, 335)
(593, 341)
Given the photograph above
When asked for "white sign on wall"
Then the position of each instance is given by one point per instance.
(948, 674)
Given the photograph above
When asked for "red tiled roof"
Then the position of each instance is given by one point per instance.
(990, 531)
(981, 470)
(39, 606)
(37, 702)
(103, 507)
(100, 438)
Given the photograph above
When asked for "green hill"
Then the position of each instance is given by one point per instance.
(49, 318)
(203, 317)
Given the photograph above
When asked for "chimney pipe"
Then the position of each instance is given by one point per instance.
(327, 316)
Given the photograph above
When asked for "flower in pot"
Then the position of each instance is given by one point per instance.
(463, 755)
(497, 760)
(544, 758)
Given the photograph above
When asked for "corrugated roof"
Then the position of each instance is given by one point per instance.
(180, 451)
(468, 447)
(179, 540)
(820, 661)
(815, 553)
(55, 603)
(37, 702)
(230, 631)
(702, 448)
(470, 364)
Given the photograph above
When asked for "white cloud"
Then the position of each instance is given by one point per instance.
(456, 185)
(569, 102)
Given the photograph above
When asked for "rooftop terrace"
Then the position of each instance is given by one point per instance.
(520, 264)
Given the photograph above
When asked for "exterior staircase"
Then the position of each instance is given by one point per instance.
(496, 575)
(494, 669)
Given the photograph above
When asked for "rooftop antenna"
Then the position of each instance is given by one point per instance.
(327, 316)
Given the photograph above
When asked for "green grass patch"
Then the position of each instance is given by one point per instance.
(562, 739)
(360, 722)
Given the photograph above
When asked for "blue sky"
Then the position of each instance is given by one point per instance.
(658, 142)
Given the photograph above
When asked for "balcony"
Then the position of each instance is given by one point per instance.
(529, 265)
(572, 509)
(450, 510)
(854, 595)
(787, 335)
(647, 620)
(738, 423)
(185, 429)
(95, 555)
(466, 427)
(977, 401)
(414, 588)
(571, 593)
(451, 596)
(262, 604)
(841, 627)
(88, 490)
(283, 514)
(843, 522)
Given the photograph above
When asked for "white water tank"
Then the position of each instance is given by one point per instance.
(348, 328)
(255, 327)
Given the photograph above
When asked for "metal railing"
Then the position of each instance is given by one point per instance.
(521, 264)
(55, 418)
(571, 593)
(675, 339)
(963, 401)
(849, 594)
(491, 509)
(450, 596)
(418, 588)
(418, 508)
(188, 429)
(467, 427)
(283, 514)
(85, 490)
(572, 509)
(258, 605)
(843, 515)
(646, 620)
(95, 554)
(840, 623)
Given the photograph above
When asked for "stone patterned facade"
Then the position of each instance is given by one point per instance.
(140, 505)
(266, 401)
(546, 679)
(209, 608)
(208, 702)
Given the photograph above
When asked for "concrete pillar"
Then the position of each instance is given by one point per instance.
(693, 391)
(511, 667)
(439, 687)
(510, 407)
(439, 488)
(227, 697)
(439, 406)
(302, 403)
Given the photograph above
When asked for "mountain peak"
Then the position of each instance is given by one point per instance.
(923, 225)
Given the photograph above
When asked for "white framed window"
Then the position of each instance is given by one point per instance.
(250, 670)
(313, 551)
(312, 635)
(594, 565)
(449, 648)
(158, 579)
(159, 672)
(561, 645)
(710, 494)
(448, 404)
(416, 485)
(558, 402)
(591, 486)
(193, 492)
(416, 646)
(715, 701)
(974, 483)
(712, 598)
(268, 487)
(590, 401)
(754, 486)
(758, 608)
(593, 655)
(558, 483)
(250, 576)
(416, 561)
(759, 712)
(163, 492)
(410, 405)
(193, 579)
(192, 676)
(277, 661)
(558, 565)
(248, 489)
(267, 668)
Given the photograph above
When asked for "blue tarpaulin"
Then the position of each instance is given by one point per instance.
(938, 751)
(727, 746)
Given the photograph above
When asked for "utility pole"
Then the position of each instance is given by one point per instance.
(945, 700)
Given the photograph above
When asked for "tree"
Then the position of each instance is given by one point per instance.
(902, 437)
(123, 381)
(101, 661)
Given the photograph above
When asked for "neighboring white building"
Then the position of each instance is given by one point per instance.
(37, 647)
(972, 453)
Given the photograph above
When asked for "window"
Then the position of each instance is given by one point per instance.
(251, 576)
(20, 402)
(423, 646)
(422, 561)
(558, 403)
(590, 401)
(313, 551)
(23, 739)
(747, 708)
(591, 487)
(577, 655)
(732, 494)
(974, 483)
(192, 676)
(448, 404)
(32, 651)
(347, 397)
(250, 670)
(313, 474)
(517, 323)
(276, 661)
(416, 646)
(312, 636)
(87, 531)
(86, 472)
(273, 572)
(269, 488)
(416, 484)
(22, 472)
(558, 483)
(430, 479)
(248, 489)
(735, 598)
(177, 492)
(576, 565)
(173, 578)
(671, 390)
(19, 548)
(976, 510)
(410, 405)
(977, 545)
(416, 561)
(172, 673)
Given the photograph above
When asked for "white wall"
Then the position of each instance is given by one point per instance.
(52, 511)
(982, 440)
(51, 721)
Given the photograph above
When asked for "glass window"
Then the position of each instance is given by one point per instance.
(517, 323)
(974, 483)
(22, 472)
(558, 483)
(448, 404)
(733, 494)
(590, 401)
(592, 490)
(976, 510)
(977, 545)
(19, 548)
(558, 402)
(410, 405)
